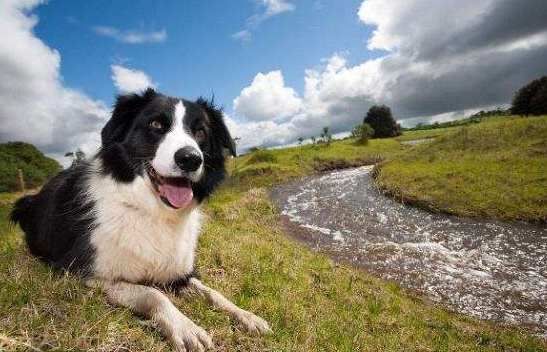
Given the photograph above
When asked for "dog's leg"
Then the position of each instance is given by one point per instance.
(153, 304)
(251, 322)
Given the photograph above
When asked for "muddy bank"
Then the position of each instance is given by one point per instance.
(323, 165)
(491, 270)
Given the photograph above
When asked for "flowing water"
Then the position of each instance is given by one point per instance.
(491, 270)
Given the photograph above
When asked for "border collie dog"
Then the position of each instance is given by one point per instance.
(128, 220)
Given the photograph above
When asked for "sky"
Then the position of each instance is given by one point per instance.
(281, 69)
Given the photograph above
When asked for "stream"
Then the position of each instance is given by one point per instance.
(491, 270)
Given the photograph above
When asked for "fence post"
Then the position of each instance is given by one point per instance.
(21, 180)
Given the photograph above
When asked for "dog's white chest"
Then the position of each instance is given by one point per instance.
(137, 239)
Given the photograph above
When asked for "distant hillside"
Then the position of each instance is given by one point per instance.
(476, 118)
(37, 167)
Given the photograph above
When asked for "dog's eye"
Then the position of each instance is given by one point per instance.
(155, 125)
(200, 135)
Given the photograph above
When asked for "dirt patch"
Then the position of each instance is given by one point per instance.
(404, 199)
(322, 165)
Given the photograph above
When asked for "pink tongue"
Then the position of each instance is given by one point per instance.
(179, 194)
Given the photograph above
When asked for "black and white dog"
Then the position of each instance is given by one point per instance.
(128, 220)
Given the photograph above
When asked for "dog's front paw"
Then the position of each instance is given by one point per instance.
(253, 323)
(186, 336)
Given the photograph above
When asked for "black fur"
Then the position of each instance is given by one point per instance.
(219, 140)
(126, 141)
(181, 283)
(58, 220)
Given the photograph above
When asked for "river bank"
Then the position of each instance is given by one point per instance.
(496, 169)
(491, 270)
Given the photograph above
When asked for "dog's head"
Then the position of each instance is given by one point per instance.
(178, 145)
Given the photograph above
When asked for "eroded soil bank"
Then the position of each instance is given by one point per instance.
(491, 270)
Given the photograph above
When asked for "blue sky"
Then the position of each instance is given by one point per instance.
(198, 56)
(282, 69)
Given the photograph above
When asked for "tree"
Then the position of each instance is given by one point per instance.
(300, 140)
(539, 102)
(326, 135)
(531, 99)
(362, 133)
(382, 122)
(312, 139)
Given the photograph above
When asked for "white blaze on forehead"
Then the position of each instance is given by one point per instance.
(175, 139)
(180, 111)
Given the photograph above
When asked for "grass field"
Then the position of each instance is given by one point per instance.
(426, 134)
(312, 303)
(266, 168)
(495, 169)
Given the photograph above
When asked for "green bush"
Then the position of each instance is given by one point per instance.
(37, 168)
(326, 135)
(262, 156)
(381, 120)
(531, 99)
(362, 133)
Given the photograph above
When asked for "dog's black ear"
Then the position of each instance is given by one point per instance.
(126, 108)
(218, 125)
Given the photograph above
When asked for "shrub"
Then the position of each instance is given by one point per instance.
(36, 167)
(531, 99)
(362, 133)
(262, 156)
(382, 122)
(326, 135)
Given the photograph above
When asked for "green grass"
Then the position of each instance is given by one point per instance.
(36, 167)
(495, 169)
(312, 303)
(266, 168)
(425, 134)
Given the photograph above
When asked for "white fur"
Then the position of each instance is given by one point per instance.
(175, 139)
(249, 320)
(139, 239)
(136, 237)
(183, 333)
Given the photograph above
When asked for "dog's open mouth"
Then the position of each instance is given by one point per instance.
(176, 192)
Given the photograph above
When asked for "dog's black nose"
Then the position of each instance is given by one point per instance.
(188, 159)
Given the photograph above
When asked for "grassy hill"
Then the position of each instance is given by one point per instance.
(312, 303)
(265, 168)
(37, 168)
(495, 169)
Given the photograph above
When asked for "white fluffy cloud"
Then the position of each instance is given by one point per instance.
(275, 7)
(244, 35)
(35, 106)
(269, 8)
(131, 36)
(128, 80)
(444, 59)
(267, 98)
